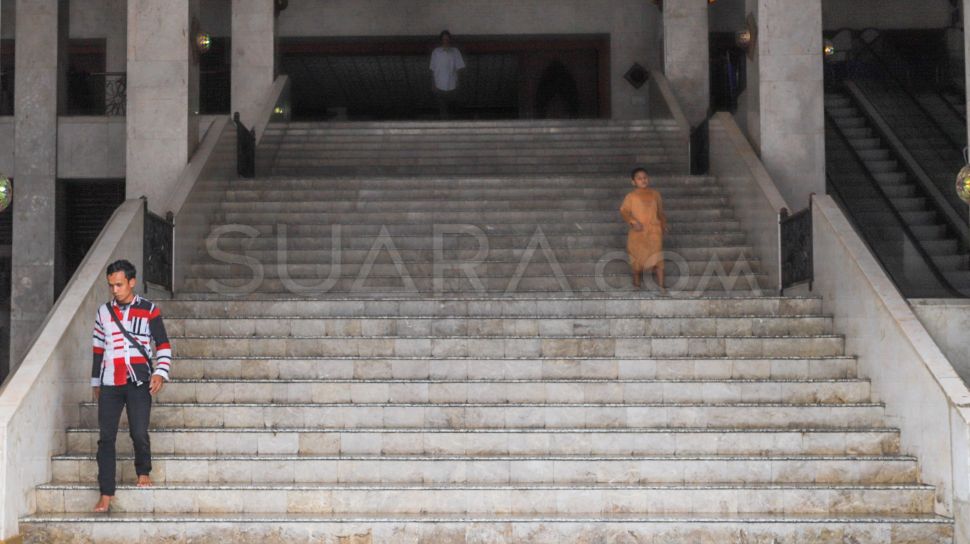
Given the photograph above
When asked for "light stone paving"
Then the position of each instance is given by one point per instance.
(717, 413)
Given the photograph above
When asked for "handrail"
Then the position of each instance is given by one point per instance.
(905, 89)
(913, 167)
(892, 208)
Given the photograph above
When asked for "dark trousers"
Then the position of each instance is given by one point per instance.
(138, 404)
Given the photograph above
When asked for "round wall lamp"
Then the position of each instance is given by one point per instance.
(6, 192)
(203, 42)
(963, 184)
(828, 49)
(747, 38)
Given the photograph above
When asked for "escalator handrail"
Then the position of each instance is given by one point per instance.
(905, 89)
(889, 204)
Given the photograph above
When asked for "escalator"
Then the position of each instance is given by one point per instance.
(892, 155)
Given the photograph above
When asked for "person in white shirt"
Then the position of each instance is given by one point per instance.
(445, 63)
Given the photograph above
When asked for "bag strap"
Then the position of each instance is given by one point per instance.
(124, 331)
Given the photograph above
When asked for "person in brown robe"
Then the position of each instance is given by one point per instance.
(642, 210)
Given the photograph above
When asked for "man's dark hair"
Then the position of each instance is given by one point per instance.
(122, 266)
(443, 34)
(633, 174)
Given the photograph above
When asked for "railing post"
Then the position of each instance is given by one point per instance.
(245, 149)
(158, 253)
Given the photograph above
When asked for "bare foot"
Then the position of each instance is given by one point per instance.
(104, 504)
(144, 481)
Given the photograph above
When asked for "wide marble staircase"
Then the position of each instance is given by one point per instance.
(372, 390)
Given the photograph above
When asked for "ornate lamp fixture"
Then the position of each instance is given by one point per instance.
(828, 49)
(6, 192)
(747, 38)
(203, 42)
(963, 184)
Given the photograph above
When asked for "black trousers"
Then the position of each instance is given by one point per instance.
(138, 404)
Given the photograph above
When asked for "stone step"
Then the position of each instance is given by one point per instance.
(167, 415)
(525, 441)
(253, 528)
(372, 270)
(270, 237)
(497, 147)
(323, 232)
(391, 193)
(510, 346)
(546, 306)
(480, 368)
(379, 158)
(659, 182)
(502, 469)
(498, 498)
(463, 217)
(289, 391)
(741, 282)
(472, 325)
(616, 166)
(561, 205)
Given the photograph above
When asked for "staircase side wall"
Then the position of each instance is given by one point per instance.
(40, 400)
(924, 396)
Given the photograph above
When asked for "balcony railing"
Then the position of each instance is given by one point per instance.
(97, 93)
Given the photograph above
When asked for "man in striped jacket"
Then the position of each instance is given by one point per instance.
(122, 375)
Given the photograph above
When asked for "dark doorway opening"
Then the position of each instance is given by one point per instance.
(83, 208)
(384, 78)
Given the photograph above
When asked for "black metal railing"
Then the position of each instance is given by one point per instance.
(881, 224)
(158, 248)
(245, 149)
(795, 253)
(97, 94)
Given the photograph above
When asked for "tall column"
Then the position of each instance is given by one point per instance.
(790, 114)
(163, 89)
(253, 37)
(41, 34)
(687, 56)
(116, 30)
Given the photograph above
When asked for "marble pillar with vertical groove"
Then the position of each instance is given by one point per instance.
(687, 56)
(162, 119)
(253, 37)
(791, 96)
(40, 34)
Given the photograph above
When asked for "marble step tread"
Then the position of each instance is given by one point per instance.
(485, 325)
(499, 346)
(508, 441)
(477, 367)
(500, 498)
(501, 415)
(251, 528)
(505, 307)
(510, 391)
(653, 469)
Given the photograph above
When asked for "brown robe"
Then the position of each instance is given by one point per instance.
(645, 247)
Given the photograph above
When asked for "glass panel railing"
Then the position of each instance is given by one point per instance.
(879, 222)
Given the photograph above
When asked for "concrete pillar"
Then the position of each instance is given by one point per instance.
(253, 38)
(116, 32)
(163, 94)
(687, 57)
(785, 106)
(41, 35)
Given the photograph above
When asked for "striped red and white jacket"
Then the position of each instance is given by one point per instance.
(116, 361)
